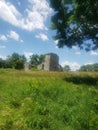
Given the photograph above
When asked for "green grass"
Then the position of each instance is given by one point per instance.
(48, 100)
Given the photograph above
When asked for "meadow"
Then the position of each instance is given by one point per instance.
(37, 100)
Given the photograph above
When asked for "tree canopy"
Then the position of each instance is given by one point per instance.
(76, 23)
(89, 67)
(36, 59)
(15, 61)
(66, 68)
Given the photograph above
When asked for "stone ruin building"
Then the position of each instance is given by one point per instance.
(26, 66)
(51, 63)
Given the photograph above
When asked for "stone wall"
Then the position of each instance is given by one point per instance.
(51, 63)
(26, 66)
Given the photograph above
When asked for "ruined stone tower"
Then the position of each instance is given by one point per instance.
(51, 63)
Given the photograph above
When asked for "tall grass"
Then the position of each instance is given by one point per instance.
(47, 101)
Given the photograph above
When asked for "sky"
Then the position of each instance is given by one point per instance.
(25, 29)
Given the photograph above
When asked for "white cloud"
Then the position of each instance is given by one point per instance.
(13, 35)
(28, 54)
(3, 57)
(56, 42)
(9, 13)
(2, 47)
(3, 38)
(89, 63)
(42, 36)
(41, 6)
(93, 53)
(75, 47)
(35, 16)
(73, 65)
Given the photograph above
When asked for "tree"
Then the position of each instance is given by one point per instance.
(41, 58)
(66, 68)
(1, 63)
(92, 67)
(76, 23)
(36, 59)
(16, 61)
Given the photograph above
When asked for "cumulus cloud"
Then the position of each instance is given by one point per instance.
(41, 6)
(56, 42)
(75, 47)
(13, 35)
(42, 36)
(28, 54)
(9, 13)
(34, 18)
(93, 53)
(3, 38)
(89, 63)
(73, 65)
(3, 57)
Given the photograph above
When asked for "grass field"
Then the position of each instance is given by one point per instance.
(48, 100)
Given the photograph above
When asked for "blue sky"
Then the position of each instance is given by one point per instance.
(25, 29)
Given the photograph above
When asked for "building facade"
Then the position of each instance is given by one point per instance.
(51, 63)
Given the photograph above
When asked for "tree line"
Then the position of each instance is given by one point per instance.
(89, 67)
(84, 68)
(17, 61)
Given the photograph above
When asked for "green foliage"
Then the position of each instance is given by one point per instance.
(66, 68)
(75, 22)
(2, 63)
(76, 79)
(15, 61)
(45, 101)
(36, 59)
(92, 67)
